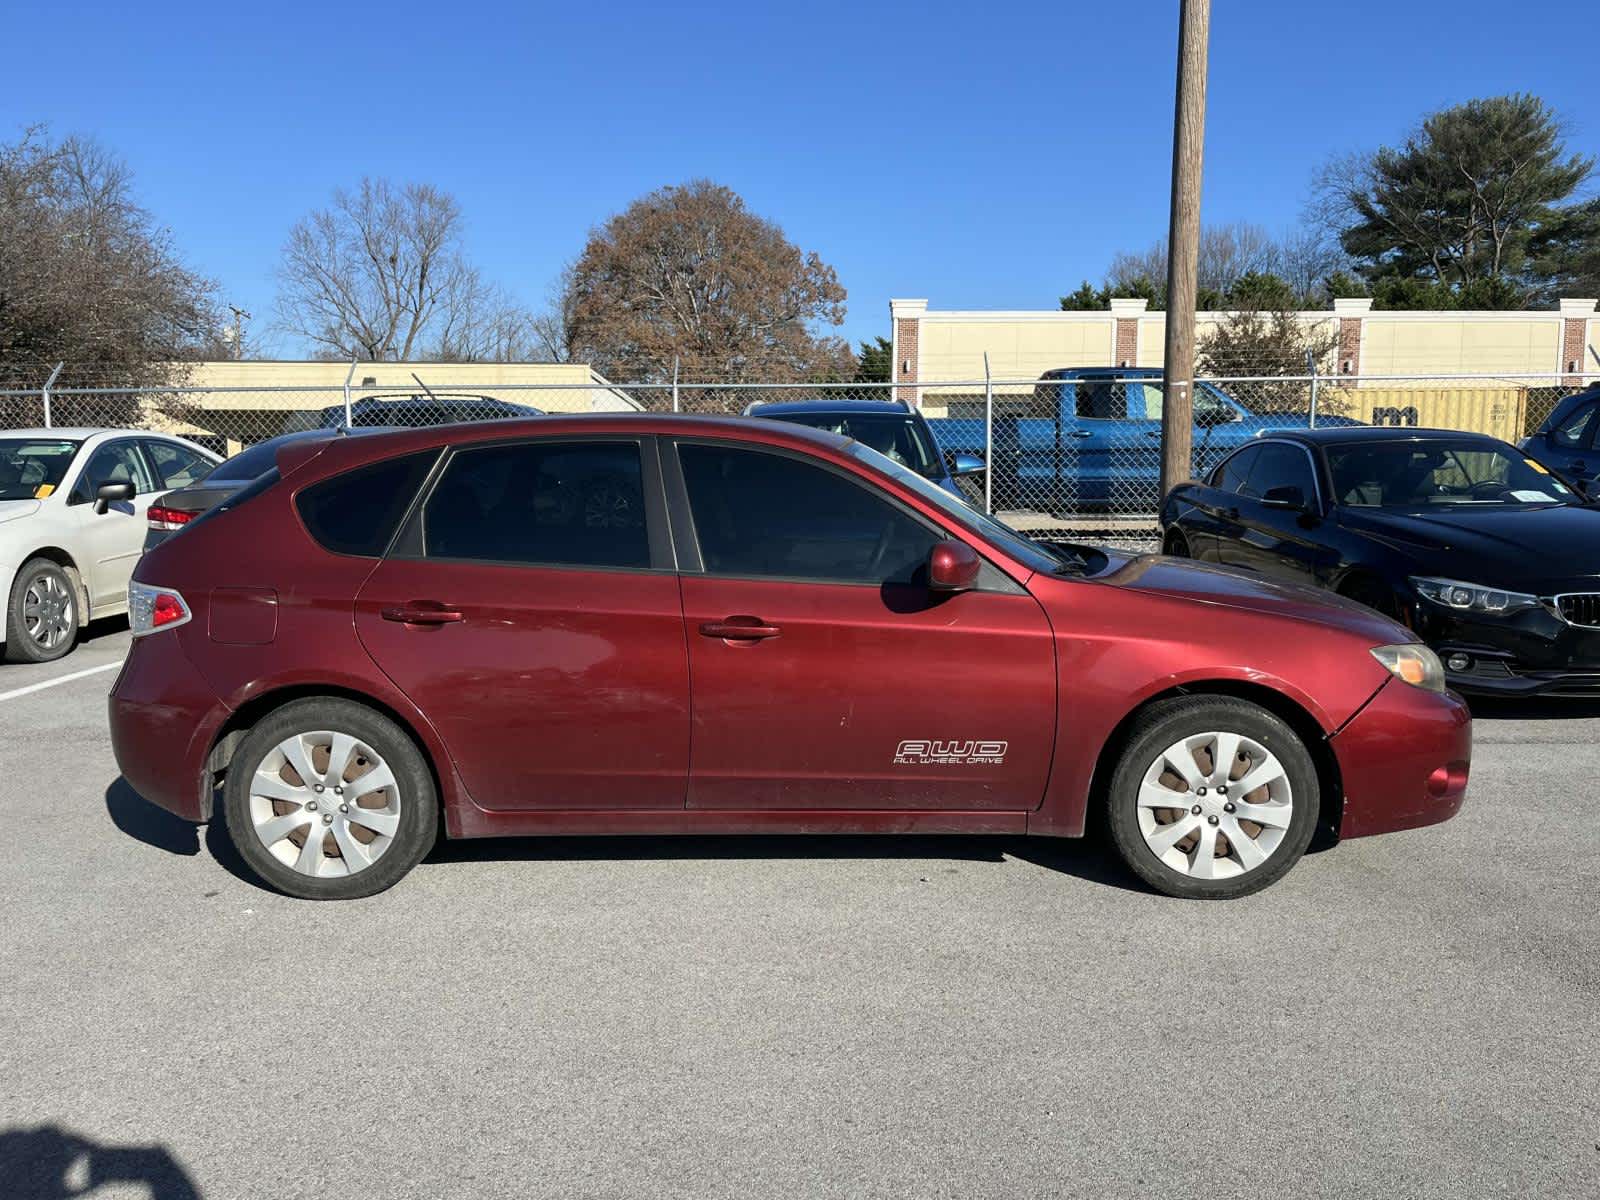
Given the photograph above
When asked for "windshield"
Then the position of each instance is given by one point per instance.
(1412, 474)
(32, 468)
(1024, 550)
(899, 438)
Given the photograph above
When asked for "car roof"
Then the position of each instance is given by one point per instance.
(778, 408)
(1346, 435)
(73, 432)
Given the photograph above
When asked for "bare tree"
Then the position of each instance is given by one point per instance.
(1226, 253)
(381, 275)
(689, 273)
(86, 275)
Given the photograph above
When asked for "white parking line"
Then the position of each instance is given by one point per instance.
(50, 683)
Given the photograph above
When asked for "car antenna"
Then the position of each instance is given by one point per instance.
(424, 387)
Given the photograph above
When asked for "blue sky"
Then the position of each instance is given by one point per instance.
(980, 155)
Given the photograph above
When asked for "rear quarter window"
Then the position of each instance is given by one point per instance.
(357, 512)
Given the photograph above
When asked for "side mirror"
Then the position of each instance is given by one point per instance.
(967, 464)
(111, 493)
(953, 567)
(1288, 496)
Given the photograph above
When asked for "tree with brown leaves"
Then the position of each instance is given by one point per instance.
(688, 273)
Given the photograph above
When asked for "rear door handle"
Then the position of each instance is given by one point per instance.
(422, 612)
(740, 629)
(1079, 433)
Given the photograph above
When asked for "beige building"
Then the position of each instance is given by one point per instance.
(933, 347)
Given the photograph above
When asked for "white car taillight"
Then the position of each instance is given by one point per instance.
(153, 608)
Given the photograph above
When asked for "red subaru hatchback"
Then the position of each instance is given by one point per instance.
(667, 625)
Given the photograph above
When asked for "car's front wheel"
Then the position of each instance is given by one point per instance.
(1213, 798)
(42, 613)
(327, 799)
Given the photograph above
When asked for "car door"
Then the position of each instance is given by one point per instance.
(1216, 503)
(1278, 535)
(825, 673)
(110, 542)
(1570, 446)
(529, 608)
(1102, 427)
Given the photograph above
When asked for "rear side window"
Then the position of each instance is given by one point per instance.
(577, 504)
(357, 512)
(1231, 474)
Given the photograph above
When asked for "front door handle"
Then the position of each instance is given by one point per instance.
(740, 629)
(422, 612)
(1079, 433)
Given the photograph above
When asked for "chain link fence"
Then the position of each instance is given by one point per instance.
(1075, 453)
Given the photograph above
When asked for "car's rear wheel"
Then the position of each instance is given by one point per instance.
(328, 800)
(1213, 798)
(42, 613)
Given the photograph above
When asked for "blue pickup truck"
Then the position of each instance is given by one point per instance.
(1102, 448)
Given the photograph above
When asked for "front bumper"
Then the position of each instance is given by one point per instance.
(1403, 760)
(164, 719)
(1530, 653)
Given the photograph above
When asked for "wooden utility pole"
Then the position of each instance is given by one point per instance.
(1183, 242)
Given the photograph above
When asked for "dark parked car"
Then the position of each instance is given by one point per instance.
(1565, 440)
(1484, 552)
(411, 412)
(786, 632)
(897, 431)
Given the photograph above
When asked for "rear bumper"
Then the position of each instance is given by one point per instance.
(1404, 760)
(164, 719)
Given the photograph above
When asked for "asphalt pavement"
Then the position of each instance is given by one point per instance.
(1405, 1016)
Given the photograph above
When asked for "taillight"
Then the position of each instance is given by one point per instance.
(162, 517)
(153, 608)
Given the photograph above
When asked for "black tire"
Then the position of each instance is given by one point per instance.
(1170, 721)
(1175, 545)
(418, 824)
(60, 588)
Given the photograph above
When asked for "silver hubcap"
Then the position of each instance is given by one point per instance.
(324, 803)
(1215, 805)
(47, 611)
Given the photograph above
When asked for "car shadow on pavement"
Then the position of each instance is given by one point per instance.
(103, 628)
(1079, 857)
(48, 1162)
(143, 821)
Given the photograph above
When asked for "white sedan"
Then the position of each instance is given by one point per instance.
(72, 525)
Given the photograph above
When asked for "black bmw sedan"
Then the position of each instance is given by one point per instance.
(1488, 556)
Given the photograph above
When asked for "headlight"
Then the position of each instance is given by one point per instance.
(1416, 664)
(1470, 597)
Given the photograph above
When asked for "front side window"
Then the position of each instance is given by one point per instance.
(1233, 472)
(357, 512)
(769, 515)
(115, 462)
(1279, 466)
(1577, 430)
(178, 466)
(32, 468)
(578, 504)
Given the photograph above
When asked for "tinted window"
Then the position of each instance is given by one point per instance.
(771, 515)
(1102, 399)
(115, 462)
(1231, 475)
(178, 466)
(248, 464)
(1576, 430)
(561, 503)
(356, 513)
(1279, 465)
